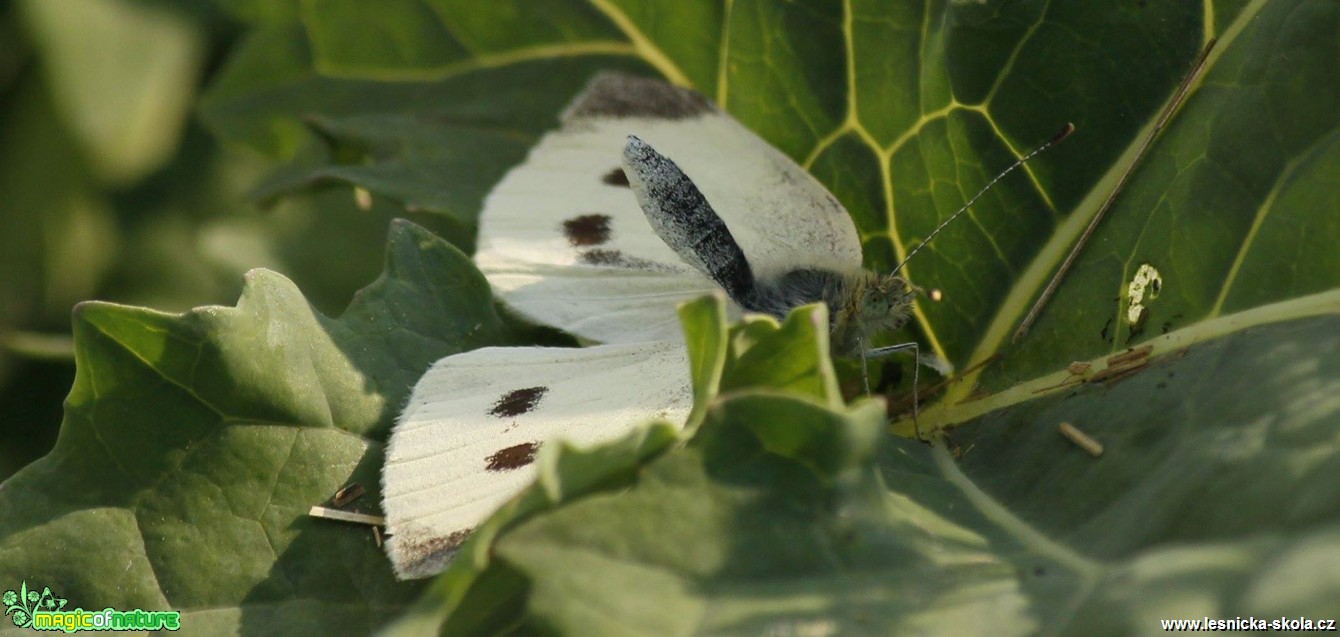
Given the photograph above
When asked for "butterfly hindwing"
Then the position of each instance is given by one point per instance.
(465, 442)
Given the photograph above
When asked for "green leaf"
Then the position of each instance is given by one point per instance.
(194, 445)
(407, 155)
(792, 357)
(757, 354)
(1219, 208)
(436, 145)
(1210, 494)
(408, 37)
(261, 12)
(123, 73)
(410, 102)
(55, 225)
(706, 337)
(904, 112)
(723, 514)
(782, 514)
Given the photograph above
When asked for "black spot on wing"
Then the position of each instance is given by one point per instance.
(513, 457)
(587, 230)
(615, 177)
(617, 259)
(518, 401)
(615, 95)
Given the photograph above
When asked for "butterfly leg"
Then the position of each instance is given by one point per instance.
(865, 369)
(880, 352)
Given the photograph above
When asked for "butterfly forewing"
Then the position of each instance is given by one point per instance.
(564, 242)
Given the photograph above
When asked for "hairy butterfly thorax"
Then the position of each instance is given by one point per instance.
(860, 304)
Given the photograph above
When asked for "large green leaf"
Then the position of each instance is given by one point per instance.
(1232, 206)
(904, 111)
(193, 446)
(783, 516)
(407, 102)
(1210, 500)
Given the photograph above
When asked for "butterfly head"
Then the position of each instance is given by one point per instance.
(884, 302)
(869, 304)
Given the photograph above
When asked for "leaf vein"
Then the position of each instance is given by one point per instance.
(1263, 211)
(641, 43)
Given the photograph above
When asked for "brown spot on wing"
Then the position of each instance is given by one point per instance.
(616, 177)
(615, 95)
(513, 457)
(618, 259)
(518, 401)
(587, 230)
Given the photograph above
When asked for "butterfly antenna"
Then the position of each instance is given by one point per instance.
(1056, 139)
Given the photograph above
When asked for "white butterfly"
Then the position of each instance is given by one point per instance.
(564, 242)
(606, 250)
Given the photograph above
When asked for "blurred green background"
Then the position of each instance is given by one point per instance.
(111, 189)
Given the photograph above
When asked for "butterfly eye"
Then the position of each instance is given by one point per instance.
(876, 301)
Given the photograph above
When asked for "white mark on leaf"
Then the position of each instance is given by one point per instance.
(1143, 288)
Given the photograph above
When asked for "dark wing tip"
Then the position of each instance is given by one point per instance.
(640, 162)
(618, 95)
(634, 148)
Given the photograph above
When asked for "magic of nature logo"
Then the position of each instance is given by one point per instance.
(44, 610)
